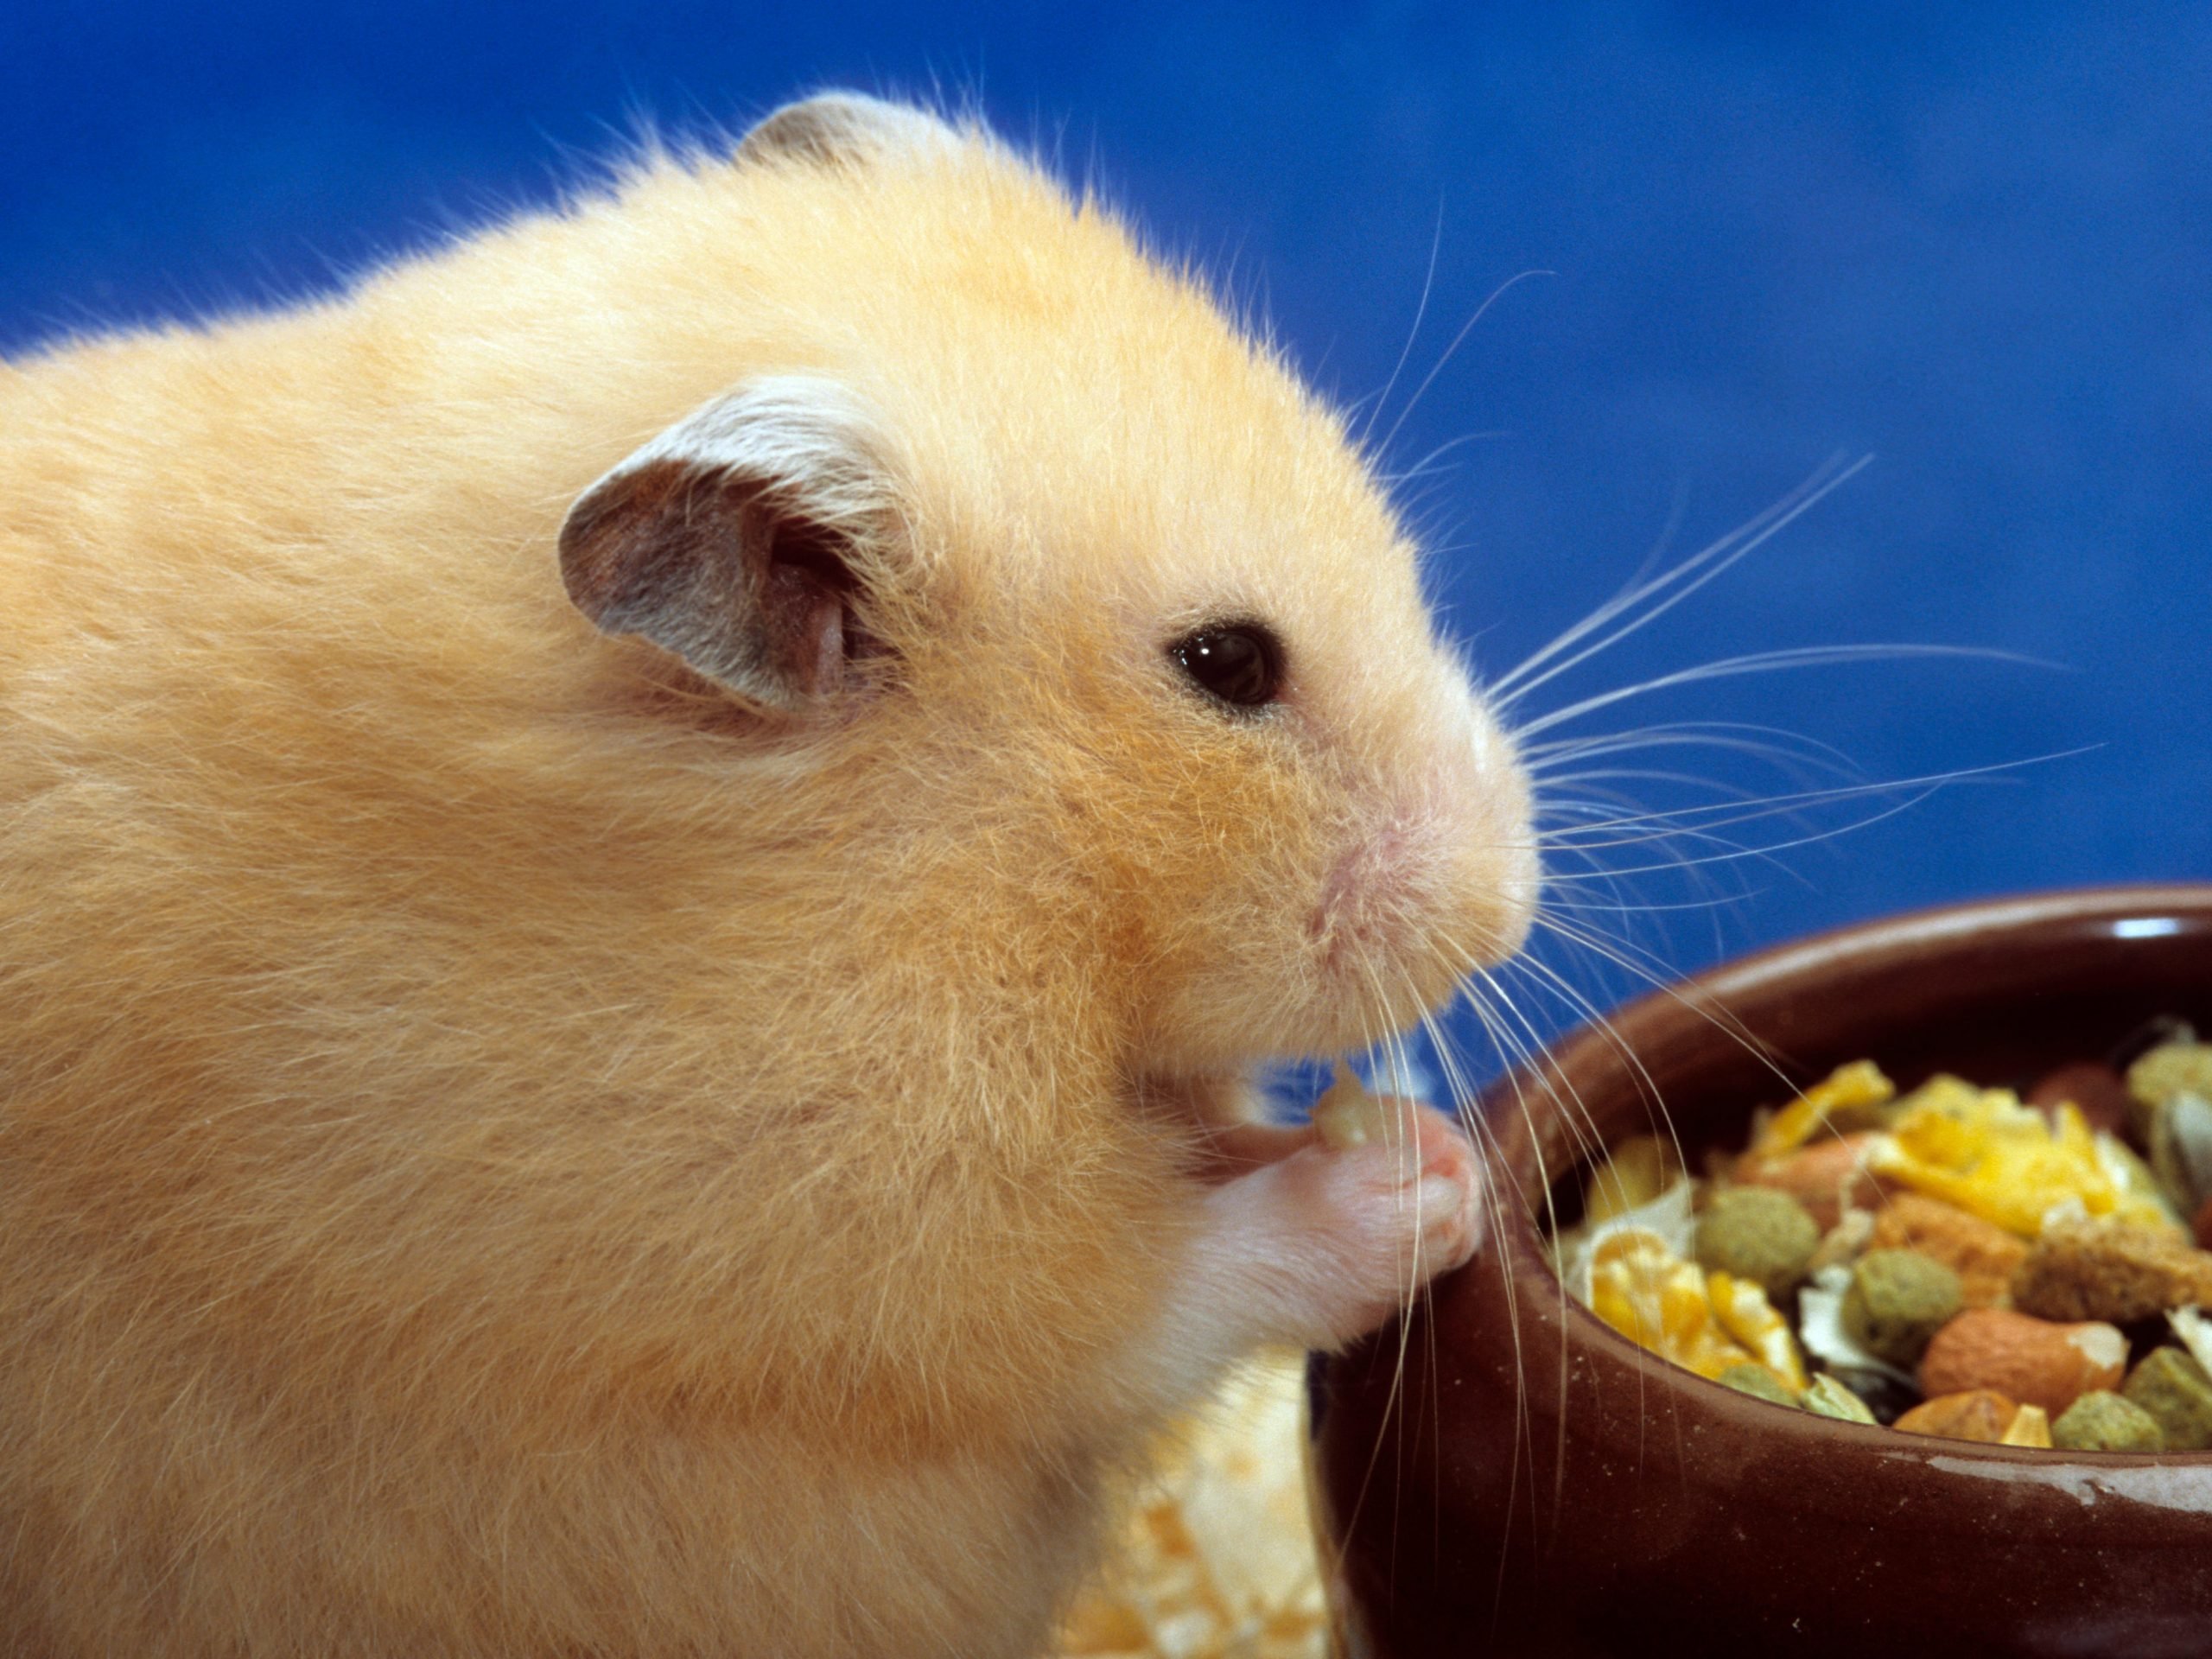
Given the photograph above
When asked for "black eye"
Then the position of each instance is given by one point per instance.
(1239, 662)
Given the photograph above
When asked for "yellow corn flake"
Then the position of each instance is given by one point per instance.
(2030, 1426)
(1659, 1301)
(1744, 1313)
(2131, 1178)
(1632, 1175)
(1856, 1087)
(1983, 1151)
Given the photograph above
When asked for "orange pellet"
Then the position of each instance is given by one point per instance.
(1973, 1415)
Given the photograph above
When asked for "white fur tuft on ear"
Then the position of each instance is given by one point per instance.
(742, 539)
(803, 434)
(835, 127)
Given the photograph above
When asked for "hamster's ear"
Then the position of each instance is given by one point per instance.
(836, 127)
(743, 539)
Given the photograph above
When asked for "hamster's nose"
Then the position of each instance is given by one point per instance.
(1496, 876)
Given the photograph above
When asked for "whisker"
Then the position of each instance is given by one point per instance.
(1717, 734)
(1687, 576)
(1420, 310)
(1769, 662)
(1420, 469)
(1458, 340)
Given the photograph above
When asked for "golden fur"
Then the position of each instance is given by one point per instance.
(504, 1151)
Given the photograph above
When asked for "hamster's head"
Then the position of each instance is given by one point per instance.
(1080, 616)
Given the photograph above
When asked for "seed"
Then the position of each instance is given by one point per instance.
(1348, 1116)
(1757, 1382)
(1828, 1398)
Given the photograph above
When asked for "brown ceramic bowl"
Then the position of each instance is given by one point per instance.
(1528, 1482)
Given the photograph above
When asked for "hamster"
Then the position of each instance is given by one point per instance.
(642, 867)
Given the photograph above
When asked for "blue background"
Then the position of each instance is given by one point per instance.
(1974, 243)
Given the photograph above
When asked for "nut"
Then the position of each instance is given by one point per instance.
(1971, 1415)
(1757, 1233)
(1898, 1300)
(2176, 1390)
(1982, 1254)
(2034, 1361)
(2102, 1422)
(2109, 1270)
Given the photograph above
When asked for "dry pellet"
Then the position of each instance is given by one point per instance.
(2175, 1389)
(1898, 1300)
(1760, 1234)
(2101, 1420)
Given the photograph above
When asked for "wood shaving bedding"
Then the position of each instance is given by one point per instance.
(1215, 1556)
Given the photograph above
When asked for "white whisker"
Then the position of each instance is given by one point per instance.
(1767, 661)
(1458, 340)
(1690, 575)
(1420, 310)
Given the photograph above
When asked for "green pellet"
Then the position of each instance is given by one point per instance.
(1757, 1233)
(1757, 1382)
(2101, 1420)
(2177, 1394)
(1898, 1300)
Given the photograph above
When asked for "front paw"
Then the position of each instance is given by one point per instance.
(1325, 1245)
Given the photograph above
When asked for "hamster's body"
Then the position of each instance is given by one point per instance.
(508, 1145)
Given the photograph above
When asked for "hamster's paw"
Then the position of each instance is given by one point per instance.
(1325, 1245)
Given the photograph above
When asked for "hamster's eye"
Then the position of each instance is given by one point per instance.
(1240, 663)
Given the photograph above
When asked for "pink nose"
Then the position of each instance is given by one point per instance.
(1437, 889)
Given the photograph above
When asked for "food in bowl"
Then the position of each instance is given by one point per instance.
(1952, 1261)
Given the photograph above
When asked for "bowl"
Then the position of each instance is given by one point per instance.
(1502, 1474)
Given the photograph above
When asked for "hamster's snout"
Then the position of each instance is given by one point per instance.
(1439, 875)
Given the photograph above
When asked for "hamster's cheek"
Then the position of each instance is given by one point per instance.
(1258, 998)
